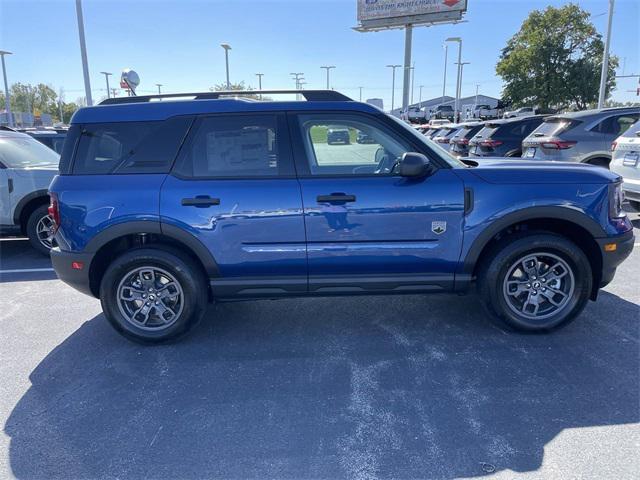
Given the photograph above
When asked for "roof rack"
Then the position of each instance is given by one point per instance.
(309, 95)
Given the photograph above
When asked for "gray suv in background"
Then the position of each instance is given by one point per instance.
(26, 170)
(584, 136)
(626, 163)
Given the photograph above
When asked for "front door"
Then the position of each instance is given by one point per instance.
(234, 189)
(368, 228)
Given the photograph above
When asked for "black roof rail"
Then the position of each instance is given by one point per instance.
(309, 95)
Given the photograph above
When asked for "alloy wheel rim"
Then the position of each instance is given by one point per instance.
(538, 285)
(150, 298)
(45, 230)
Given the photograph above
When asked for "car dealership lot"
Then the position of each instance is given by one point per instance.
(357, 387)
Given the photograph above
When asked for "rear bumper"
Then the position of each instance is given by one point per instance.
(76, 278)
(611, 260)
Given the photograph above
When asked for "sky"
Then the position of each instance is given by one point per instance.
(177, 43)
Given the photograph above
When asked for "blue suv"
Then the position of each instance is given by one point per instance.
(165, 204)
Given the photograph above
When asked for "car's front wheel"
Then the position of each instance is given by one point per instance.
(536, 281)
(153, 294)
(41, 230)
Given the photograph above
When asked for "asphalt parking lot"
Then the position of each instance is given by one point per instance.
(365, 387)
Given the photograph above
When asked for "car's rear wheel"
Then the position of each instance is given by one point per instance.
(535, 281)
(600, 162)
(41, 230)
(153, 294)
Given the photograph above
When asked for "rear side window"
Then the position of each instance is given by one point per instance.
(633, 131)
(69, 147)
(554, 126)
(616, 125)
(233, 146)
(129, 147)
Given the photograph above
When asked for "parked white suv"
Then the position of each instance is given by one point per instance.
(26, 170)
(521, 112)
(484, 112)
(625, 161)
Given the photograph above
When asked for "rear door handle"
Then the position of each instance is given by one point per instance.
(201, 201)
(336, 197)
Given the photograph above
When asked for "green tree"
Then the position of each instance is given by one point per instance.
(38, 99)
(555, 60)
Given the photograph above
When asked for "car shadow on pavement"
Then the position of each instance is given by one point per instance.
(386, 387)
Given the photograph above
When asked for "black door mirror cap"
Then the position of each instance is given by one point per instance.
(415, 165)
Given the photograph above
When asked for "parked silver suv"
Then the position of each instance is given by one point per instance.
(626, 162)
(26, 170)
(584, 136)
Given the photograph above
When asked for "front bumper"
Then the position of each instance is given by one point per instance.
(612, 258)
(77, 278)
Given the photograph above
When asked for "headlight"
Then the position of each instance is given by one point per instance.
(616, 198)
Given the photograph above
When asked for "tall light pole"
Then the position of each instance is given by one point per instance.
(460, 69)
(7, 103)
(444, 80)
(297, 76)
(106, 77)
(60, 105)
(420, 101)
(159, 85)
(259, 75)
(413, 79)
(477, 87)
(360, 88)
(327, 68)
(393, 84)
(408, 36)
(605, 59)
(226, 47)
(459, 40)
(83, 54)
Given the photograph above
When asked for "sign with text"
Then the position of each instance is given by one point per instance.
(389, 13)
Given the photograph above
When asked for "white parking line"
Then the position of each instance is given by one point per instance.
(28, 270)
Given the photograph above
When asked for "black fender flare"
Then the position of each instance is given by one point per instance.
(155, 227)
(17, 213)
(532, 213)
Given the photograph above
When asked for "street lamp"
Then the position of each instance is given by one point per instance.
(7, 104)
(226, 47)
(106, 77)
(83, 54)
(605, 59)
(393, 84)
(444, 80)
(327, 68)
(459, 40)
(259, 75)
(420, 101)
(461, 69)
(159, 85)
(360, 88)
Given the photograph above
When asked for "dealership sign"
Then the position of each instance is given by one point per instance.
(377, 14)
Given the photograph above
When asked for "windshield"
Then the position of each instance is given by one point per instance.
(433, 146)
(25, 152)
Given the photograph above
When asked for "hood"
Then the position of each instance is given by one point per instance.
(504, 170)
(40, 171)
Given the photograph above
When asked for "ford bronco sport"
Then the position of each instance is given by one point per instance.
(162, 206)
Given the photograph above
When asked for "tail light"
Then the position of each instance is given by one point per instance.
(491, 143)
(558, 144)
(54, 210)
(443, 140)
(613, 146)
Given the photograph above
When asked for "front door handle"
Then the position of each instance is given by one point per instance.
(201, 201)
(336, 197)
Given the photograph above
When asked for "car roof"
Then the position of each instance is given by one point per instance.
(596, 111)
(150, 108)
(504, 121)
(12, 134)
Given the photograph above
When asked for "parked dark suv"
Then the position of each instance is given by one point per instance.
(460, 141)
(163, 206)
(503, 138)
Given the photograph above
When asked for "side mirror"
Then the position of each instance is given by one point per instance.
(415, 165)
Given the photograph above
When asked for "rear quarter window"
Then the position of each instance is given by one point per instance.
(632, 131)
(129, 147)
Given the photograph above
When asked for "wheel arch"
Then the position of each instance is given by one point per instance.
(27, 205)
(569, 223)
(120, 238)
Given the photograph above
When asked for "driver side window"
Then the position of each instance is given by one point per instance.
(347, 144)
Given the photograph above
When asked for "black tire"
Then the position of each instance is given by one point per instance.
(505, 257)
(34, 219)
(635, 204)
(184, 271)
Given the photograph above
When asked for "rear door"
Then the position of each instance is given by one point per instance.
(367, 228)
(233, 188)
